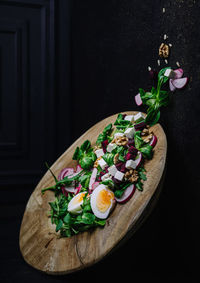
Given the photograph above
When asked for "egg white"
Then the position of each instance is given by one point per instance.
(94, 205)
(74, 206)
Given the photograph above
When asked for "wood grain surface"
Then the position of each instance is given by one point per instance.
(41, 246)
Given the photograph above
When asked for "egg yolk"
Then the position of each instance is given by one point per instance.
(79, 198)
(104, 199)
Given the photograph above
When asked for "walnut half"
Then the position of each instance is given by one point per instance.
(146, 135)
(131, 175)
(120, 140)
(164, 50)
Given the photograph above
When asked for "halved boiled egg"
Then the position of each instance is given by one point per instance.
(102, 201)
(74, 206)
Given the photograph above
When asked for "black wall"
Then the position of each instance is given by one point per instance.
(65, 65)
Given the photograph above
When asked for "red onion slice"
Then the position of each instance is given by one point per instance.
(180, 83)
(153, 141)
(92, 178)
(179, 73)
(171, 86)
(128, 193)
(138, 159)
(138, 99)
(65, 172)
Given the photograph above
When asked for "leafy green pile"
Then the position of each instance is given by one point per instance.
(70, 224)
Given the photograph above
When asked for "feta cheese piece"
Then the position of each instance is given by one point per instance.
(129, 118)
(102, 163)
(130, 164)
(119, 175)
(106, 176)
(170, 73)
(99, 152)
(112, 170)
(139, 117)
(129, 133)
(111, 146)
(118, 135)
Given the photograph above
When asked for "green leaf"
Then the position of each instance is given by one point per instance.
(138, 140)
(121, 122)
(151, 102)
(88, 218)
(108, 183)
(85, 179)
(146, 151)
(139, 186)
(59, 225)
(86, 162)
(85, 146)
(77, 154)
(161, 76)
(119, 192)
(153, 115)
(100, 222)
(105, 134)
(108, 157)
(142, 176)
(67, 219)
(51, 172)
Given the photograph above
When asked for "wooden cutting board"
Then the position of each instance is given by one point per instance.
(41, 246)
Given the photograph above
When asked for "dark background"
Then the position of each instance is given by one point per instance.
(65, 65)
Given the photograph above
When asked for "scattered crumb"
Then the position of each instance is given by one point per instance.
(163, 10)
(149, 68)
(165, 36)
(170, 45)
(177, 63)
(158, 62)
(166, 62)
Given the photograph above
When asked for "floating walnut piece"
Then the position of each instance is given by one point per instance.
(164, 50)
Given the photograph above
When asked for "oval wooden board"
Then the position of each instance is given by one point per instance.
(41, 246)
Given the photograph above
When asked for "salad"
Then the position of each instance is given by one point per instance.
(106, 173)
(112, 169)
